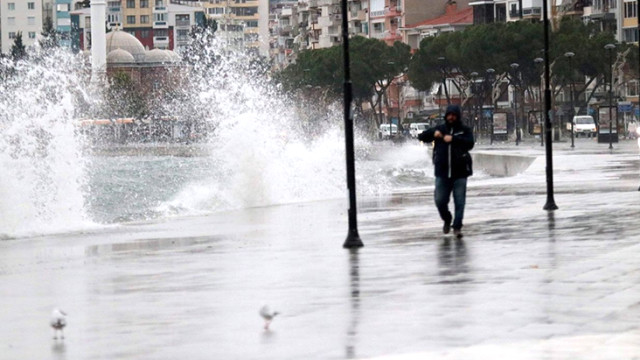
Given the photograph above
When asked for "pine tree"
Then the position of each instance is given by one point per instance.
(18, 50)
(50, 38)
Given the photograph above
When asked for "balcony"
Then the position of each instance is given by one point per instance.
(326, 2)
(287, 12)
(532, 12)
(325, 21)
(160, 25)
(160, 9)
(378, 35)
(514, 14)
(377, 13)
(160, 41)
(183, 23)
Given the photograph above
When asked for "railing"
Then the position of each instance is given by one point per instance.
(532, 12)
(183, 23)
(377, 13)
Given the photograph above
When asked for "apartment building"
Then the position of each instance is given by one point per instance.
(629, 23)
(157, 24)
(284, 28)
(20, 16)
(243, 24)
(454, 17)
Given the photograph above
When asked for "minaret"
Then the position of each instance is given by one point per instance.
(98, 38)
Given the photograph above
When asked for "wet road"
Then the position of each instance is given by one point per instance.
(523, 284)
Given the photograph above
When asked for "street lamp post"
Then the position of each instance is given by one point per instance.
(442, 61)
(490, 73)
(353, 240)
(569, 55)
(474, 75)
(609, 48)
(539, 60)
(515, 67)
(551, 203)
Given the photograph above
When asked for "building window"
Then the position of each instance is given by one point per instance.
(144, 19)
(252, 24)
(12, 35)
(159, 3)
(131, 19)
(159, 17)
(630, 35)
(11, 21)
(632, 88)
(144, 33)
(161, 32)
(131, 4)
(183, 35)
(32, 34)
(31, 20)
(216, 11)
(630, 9)
(31, 5)
(62, 7)
(144, 3)
(11, 6)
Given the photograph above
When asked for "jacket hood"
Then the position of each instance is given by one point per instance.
(455, 109)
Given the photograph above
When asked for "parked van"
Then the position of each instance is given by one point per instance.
(583, 125)
(416, 128)
(383, 132)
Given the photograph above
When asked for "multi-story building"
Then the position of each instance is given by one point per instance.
(20, 16)
(62, 21)
(157, 24)
(630, 21)
(283, 24)
(607, 14)
(453, 19)
(243, 24)
(385, 18)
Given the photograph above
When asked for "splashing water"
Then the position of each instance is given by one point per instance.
(264, 149)
(41, 187)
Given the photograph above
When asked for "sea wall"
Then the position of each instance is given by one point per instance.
(501, 164)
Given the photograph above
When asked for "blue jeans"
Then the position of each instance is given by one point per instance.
(442, 194)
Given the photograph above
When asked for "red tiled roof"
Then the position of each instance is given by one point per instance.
(460, 17)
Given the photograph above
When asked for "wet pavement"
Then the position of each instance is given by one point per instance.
(522, 284)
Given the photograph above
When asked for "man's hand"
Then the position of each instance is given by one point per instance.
(437, 134)
(448, 138)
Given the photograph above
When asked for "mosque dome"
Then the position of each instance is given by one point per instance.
(161, 56)
(127, 42)
(119, 56)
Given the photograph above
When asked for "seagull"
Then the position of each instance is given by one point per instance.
(267, 315)
(58, 322)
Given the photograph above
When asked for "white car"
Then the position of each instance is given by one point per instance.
(383, 132)
(583, 125)
(416, 129)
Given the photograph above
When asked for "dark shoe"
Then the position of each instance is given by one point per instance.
(457, 233)
(446, 228)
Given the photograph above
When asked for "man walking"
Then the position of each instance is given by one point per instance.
(452, 164)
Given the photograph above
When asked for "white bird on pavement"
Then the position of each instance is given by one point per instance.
(267, 315)
(58, 322)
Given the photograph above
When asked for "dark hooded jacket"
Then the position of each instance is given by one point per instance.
(451, 160)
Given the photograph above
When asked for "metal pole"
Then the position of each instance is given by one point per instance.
(570, 55)
(353, 238)
(638, 41)
(537, 61)
(551, 203)
(493, 110)
(609, 48)
(515, 66)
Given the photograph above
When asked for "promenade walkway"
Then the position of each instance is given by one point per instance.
(522, 284)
